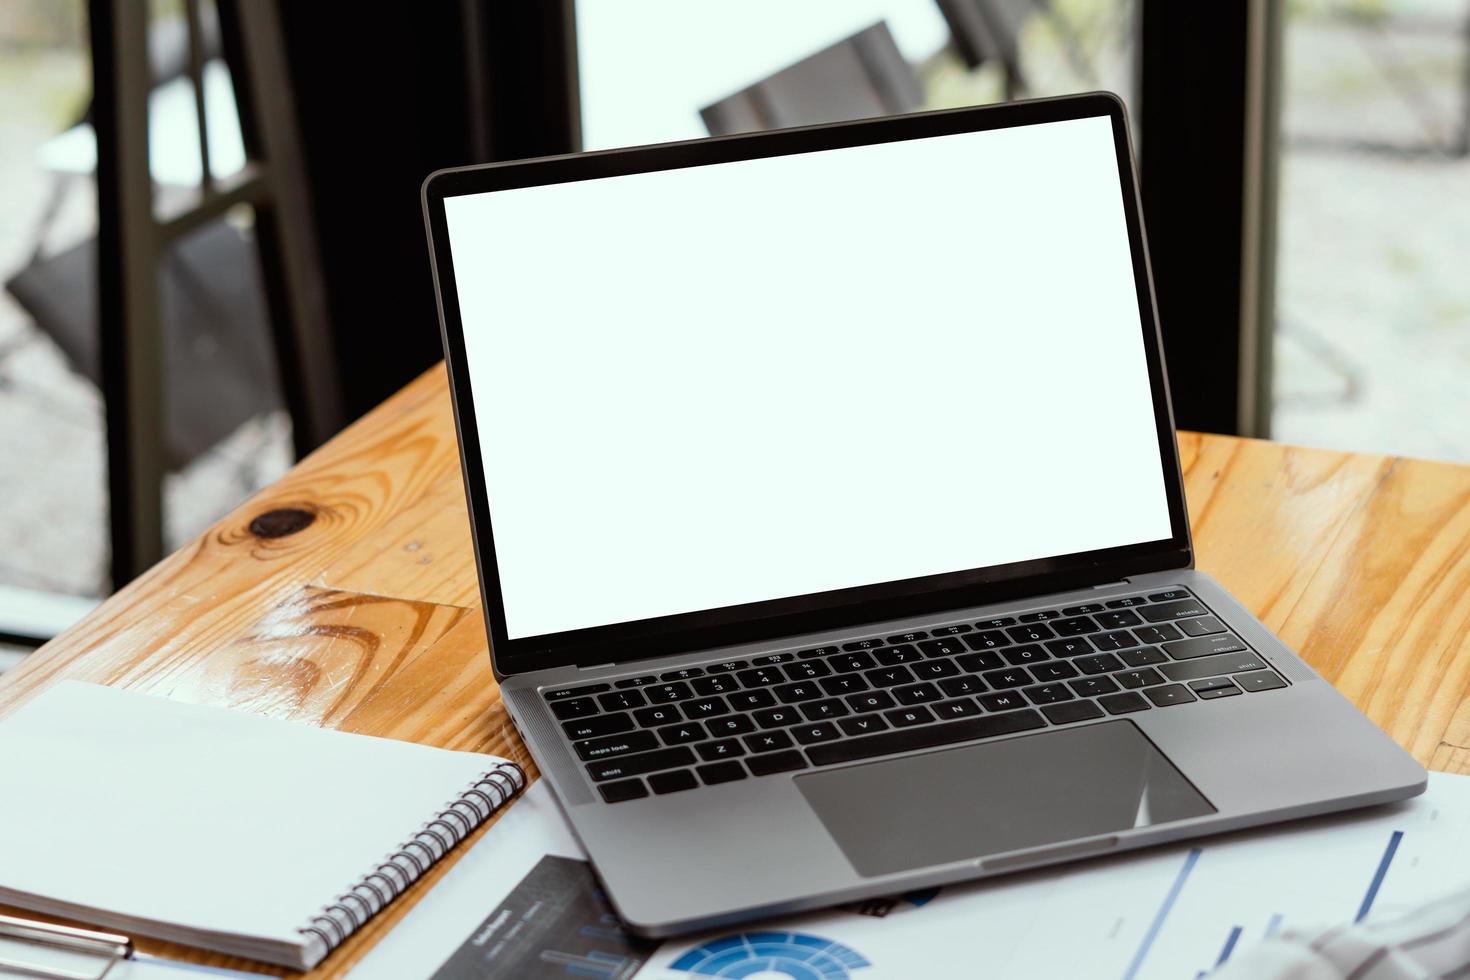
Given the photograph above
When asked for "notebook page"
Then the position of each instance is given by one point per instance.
(201, 816)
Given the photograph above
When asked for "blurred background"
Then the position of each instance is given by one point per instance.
(212, 250)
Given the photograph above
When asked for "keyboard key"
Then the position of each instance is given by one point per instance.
(623, 791)
(1029, 654)
(905, 717)
(1099, 663)
(800, 691)
(672, 782)
(995, 623)
(772, 658)
(1162, 633)
(1040, 617)
(1084, 609)
(576, 708)
(1069, 648)
(805, 670)
(621, 701)
(898, 655)
(1033, 633)
(1124, 703)
(932, 670)
(1075, 626)
(665, 693)
(973, 663)
(1091, 687)
(1219, 692)
(949, 733)
(682, 674)
(1138, 678)
(862, 725)
(1116, 640)
(1133, 600)
(1002, 679)
(812, 734)
(988, 640)
(689, 731)
(1053, 670)
(954, 630)
(956, 687)
(1169, 694)
(726, 666)
(1169, 596)
(1228, 663)
(1063, 714)
(889, 676)
(959, 708)
(914, 636)
(1185, 608)
(597, 725)
(720, 772)
(1142, 657)
(1210, 684)
(1118, 619)
(816, 652)
(725, 748)
(730, 725)
(643, 681)
(762, 677)
(1202, 646)
(750, 700)
(768, 741)
(1263, 680)
(655, 716)
(637, 765)
(845, 684)
(822, 710)
(723, 684)
(562, 693)
(614, 745)
(869, 644)
(769, 765)
(776, 717)
(917, 694)
(849, 662)
(872, 701)
(1048, 693)
(705, 708)
(1203, 626)
(946, 646)
(1008, 701)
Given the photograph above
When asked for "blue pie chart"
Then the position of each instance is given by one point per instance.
(771, 954)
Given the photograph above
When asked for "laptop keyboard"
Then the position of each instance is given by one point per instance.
(876, 696)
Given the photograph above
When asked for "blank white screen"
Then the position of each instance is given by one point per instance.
(732, 383)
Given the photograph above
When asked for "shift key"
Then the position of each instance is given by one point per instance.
(1228, 663)
(637, 765)
(1203, 646)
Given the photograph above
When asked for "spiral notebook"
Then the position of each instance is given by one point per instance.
(223, 829)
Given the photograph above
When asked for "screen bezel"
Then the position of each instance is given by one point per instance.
(705, 629)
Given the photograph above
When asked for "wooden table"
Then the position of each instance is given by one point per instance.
(345, 595)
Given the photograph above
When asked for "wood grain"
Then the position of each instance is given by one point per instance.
(366, 619)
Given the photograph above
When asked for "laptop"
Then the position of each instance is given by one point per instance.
(829, 518)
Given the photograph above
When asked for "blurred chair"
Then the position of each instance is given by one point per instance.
(990, 30)
(861, 76)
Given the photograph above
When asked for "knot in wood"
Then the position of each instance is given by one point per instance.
(280, 522)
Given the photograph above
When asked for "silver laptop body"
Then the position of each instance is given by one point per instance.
(829, 519)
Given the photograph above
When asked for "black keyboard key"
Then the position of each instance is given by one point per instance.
(1138, 678)
(1048, 693)
(805, 670)
(1169, 694)
(1169, 596)
(871, 701)
(769, 765)
(1203, 626)
(562, 693)
(954, 630)
(1009, 701)
(665, 693)
(1116, 640)
(973, 663)
(813, 734)
(1029, 654)
(729, 725)
(682, 674)
(1084, 609)
(727, 666)
(845, 684)
(800, 691)
(597, 725)
(1064, 714)
(643, 681)
(772, 658)
(822, 710)
(1219, 692)
(958, 708)
(1003, 679)
(723, 684)
(913, 636)
(1229, 663)
(924, 737)
(917, 694)
(1263, 680)
(897, 655)
(1118, 619)
(705, 708)
(1142, 657)
(614, 745)
(1069, 648)
(751, 700)
(908, 717)
(761, 677)
(816, 652)
(1099, 663)
(995, 623)
(1162, 633)
(772, 741)
(776, 717)
(849, 662)
(933, 670)
(1040, 617)
(1053, 670)
(1075, 626)
(689, 731)
(720, 772)
(672, 782)
(1033, 633)
(862, 725)
(637, 765)
(958, 687)
(658, 715)
(1123, 703)
(1200, 646)
(988, 640)
(1133, 600)
(725, 748)
(871, 643)
(1183, 609)
(575, 708)
(1091, 687)
(889, 676)
(623, 790)
(1210, 684)
(945, 646)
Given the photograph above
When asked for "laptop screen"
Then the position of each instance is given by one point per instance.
(745, 381)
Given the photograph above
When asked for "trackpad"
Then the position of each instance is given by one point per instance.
(987, 799)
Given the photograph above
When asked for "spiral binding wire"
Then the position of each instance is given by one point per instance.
(340, 918)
